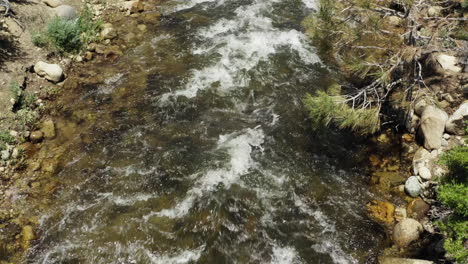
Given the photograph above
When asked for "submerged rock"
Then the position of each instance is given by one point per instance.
(382, 212)
(432, 126)
(48, 129)
(27, 234)
(412, 186)
(406, 231)
(52, 72)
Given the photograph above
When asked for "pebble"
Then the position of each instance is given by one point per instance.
(412, 186)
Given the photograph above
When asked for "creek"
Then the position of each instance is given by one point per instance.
(197, 149)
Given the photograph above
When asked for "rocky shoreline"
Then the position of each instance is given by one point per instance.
(28, 158)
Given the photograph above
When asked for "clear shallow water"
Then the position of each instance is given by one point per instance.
(195, 149)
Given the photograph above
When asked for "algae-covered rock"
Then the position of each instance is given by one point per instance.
(27, 235)
(382, 212)
(48, 128)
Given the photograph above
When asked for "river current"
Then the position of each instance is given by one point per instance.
(197, 149)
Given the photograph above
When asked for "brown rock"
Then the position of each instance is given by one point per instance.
(406, 231)
(382, 212)
(418, 209)
(88, 56)
(36, 136)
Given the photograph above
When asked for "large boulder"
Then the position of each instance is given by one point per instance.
(448, 62)
(52, 72)
(386, 260)
(406, 231)
(456, 123)
(66, 12)
(412, 186)
(53, 3)
(432, 126)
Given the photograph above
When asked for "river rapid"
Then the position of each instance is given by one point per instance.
(196, 149)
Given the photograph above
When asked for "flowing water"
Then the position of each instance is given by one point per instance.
(196, 149)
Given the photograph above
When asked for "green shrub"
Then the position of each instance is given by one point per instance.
(69, 35)
(6, 138)
(16, 91)
(64, 34)
(457, 162)
(454, 194)
(39, 39)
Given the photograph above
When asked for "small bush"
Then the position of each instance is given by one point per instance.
(454, 194)
(64, 34)
(69, 35)
(6, 138)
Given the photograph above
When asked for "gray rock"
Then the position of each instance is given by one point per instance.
(412, 186)
(448, 62)
(66, 12)
(52, 3)
(52, 72)
(420, 159)
(432, 126)
(456, 123)
(15, 153)
(5, 154)
(108, 32)
(406, 231)
(386, 260)
(425, 173)
(419, 106)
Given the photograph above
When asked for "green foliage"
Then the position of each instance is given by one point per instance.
(39, 39)
(457, 162)
(5, 138)
(15, 90)
(69, 35)
(325, 110)
(64, 34)
(454, 194)
(27, 118)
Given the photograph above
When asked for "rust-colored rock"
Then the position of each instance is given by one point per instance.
(381, 212)
(418, 209)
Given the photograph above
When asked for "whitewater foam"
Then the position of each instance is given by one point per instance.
(239, 147)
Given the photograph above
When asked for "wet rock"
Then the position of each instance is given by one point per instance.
(52, 72)
(142, 27)
(425, 173)
(52, 3)
(448, 62)
(48, 129)
(406, 231)
(418, 209)
(66, 12)
(432, 126)
(412, 186)
(382, 212)
(88, 56)
(400, 213)
(456, 123)
(386, 260)
(108, 32)
(36, 136)
(27, 235)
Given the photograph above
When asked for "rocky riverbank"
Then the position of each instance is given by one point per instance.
(32, 78)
